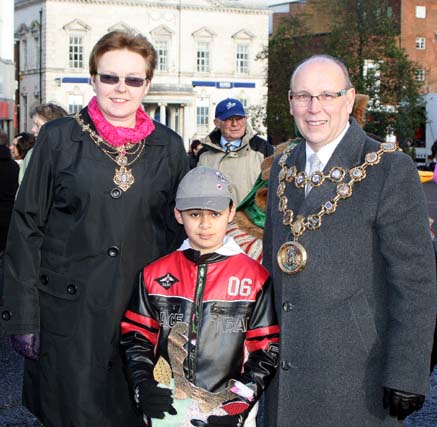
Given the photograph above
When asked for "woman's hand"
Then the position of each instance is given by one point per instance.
(26, 345)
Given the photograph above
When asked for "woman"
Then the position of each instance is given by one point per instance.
(96, 205)
(8, 187)
(21, 149)
(195, 147)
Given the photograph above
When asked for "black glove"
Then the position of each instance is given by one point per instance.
(153, 401)
(225, 421)
(401, 403)
(26, 345)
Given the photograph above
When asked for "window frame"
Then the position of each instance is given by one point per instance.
(420, 43)
(421, 12)
(420, 75)
(242, 58)
(162, 45)
(203, 64)
(76, 63)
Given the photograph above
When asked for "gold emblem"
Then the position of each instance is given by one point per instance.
(123, 178)
(292, 257)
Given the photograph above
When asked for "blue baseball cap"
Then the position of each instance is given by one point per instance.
(229, 107)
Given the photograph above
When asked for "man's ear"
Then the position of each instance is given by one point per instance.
(178, 216)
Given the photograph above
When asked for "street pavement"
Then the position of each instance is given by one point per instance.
(12, 414)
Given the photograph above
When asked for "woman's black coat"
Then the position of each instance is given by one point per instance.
(77, 243)
(8, 187)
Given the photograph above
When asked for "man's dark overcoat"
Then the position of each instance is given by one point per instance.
(361, 315)
(77, 243)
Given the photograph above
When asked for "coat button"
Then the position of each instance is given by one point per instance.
(116, 193)
(44, 279)
(71, 289)
(113, 251)
(286, 365)
(287, 306)
(6, 315)
(109, 365)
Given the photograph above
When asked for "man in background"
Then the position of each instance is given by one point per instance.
(233, 148)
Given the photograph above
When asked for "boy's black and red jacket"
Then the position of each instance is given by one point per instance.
(227, 302)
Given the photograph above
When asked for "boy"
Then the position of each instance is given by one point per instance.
(205, 314)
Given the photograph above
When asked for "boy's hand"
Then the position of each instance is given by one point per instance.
(153, 400)
(237, 411)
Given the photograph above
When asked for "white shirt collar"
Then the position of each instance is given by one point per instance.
(229, 247)
(325, 153)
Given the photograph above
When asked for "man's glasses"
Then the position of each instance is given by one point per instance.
(110, 79)
(305, 98)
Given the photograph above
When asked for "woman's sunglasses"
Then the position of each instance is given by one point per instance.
(110, 79)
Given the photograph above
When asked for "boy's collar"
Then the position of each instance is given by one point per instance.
(229, 247)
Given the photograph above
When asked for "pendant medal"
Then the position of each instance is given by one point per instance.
(123, 178)
(292, 257)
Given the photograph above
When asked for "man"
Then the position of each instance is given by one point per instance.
(233, 148)
(353, 267)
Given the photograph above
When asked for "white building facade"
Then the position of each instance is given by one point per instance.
(7, 67)
(207, 51)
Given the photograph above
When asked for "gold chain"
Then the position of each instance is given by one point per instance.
(337, 174)
(123, 177)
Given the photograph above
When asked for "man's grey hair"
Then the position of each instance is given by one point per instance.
(337, 61)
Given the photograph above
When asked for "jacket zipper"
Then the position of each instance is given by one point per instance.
(195, 321)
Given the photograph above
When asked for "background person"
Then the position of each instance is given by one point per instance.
(95, 206)
(233, 148)
(43, 113)
(8, 187)
(193, 154)
(40, 115)
(22, 145)
(350, 253)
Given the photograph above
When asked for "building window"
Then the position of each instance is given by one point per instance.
(202, 119)
(36, 52)
(420, 43)
(420, 75)
(161, 47)
(203, 57)
(25, 53)
(75, 52)
(74, 103)
(421, 12)
(242, 59)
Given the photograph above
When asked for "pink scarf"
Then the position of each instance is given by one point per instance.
(119, 135)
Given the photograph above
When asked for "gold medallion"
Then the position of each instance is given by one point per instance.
(292, 257)
(123, 178)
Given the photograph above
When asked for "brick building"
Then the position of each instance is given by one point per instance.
(417, 27)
